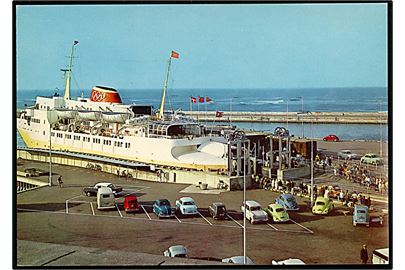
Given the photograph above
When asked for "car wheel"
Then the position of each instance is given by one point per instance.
(335, 140)
(88, 194)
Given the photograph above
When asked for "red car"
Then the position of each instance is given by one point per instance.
(131, 204)
(331, 138)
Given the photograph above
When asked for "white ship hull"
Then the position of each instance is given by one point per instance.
(180, 153)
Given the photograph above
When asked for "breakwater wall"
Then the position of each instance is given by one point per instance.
(294, 117)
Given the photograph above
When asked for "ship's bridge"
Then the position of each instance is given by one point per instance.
(174, 129)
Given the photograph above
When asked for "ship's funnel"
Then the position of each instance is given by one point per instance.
(105, 94)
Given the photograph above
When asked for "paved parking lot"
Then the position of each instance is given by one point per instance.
(66, 216)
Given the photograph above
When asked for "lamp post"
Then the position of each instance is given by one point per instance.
(244, 201)
(230, 105)
(312, 159)
(302, 111)
(50, 156)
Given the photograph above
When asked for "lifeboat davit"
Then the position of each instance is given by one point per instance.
(105, 94)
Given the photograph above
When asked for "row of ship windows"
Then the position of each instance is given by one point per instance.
(95, 140)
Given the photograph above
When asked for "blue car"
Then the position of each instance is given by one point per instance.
(288, 202)
(360, 215)
(162, 208)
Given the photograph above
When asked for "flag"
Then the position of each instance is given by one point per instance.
(207, 99)
(200, 99)
(218, 114)
(75, 42)
(175, 55)
(193, 100)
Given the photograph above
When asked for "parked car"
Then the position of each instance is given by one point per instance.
(277, 212)
(176, 251)
(381, 256)
(371, 158)
(347, 154)
(322, 206)
(288, 202)
(131, 204)
(331, 138)
(289, 261)
(238, 260)
(30, 172)
(105, 198)
(186, 206)
(92, 191)
(162, 208)
(360, 215)
(254, 212)
(217, 210)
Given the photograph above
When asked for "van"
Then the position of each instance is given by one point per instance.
(360, 215)
(105, 198)
(381, 256)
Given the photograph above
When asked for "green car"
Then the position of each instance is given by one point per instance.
(322, 206)
(277, 212)
(371, 158)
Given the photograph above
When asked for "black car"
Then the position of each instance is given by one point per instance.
(92, 191)
(217, 210)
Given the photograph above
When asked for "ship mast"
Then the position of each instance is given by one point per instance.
(162, 102)
(67, 86)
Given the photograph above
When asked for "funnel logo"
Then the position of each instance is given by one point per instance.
(97, 96)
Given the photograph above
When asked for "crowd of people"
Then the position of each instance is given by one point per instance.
(358, 174)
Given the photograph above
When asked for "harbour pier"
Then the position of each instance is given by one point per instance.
(293, 117)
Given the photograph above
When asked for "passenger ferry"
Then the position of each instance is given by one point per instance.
(103, 125)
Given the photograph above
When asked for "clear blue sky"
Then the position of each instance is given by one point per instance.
(220, 46)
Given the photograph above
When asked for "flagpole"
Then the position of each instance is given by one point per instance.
(198, 109)
(205, 112)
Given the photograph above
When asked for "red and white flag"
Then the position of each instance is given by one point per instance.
(200, 99)
(193, 99)
(175, 55)
(219, 114)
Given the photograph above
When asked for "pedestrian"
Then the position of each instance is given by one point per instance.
(364, 254)
(326, 194)
(60, 181)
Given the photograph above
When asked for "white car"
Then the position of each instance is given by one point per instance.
(186, 206)
(289, 261)
(254, 212)
(347, 154)
(176, 251)
(238, 260)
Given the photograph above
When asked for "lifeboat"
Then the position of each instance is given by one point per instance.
(66, 114)
(105, 94)
(115, 117)
(88, 115)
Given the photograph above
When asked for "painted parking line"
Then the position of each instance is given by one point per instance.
(235, 221)
(272, 226)
(116, 205)
(302, 226)
(67, 206)
(204, 218)
(177, 218)
(92, 209)
(145, 212)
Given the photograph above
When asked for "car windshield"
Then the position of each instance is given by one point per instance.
(164, 203)
(373, 156)
(180, 255)
(221, 209)
(279, 209)
(111, 186)
(290, 199)
(131, 201)
(254, 208)
(320, 203)
(188, 203)
(361, 211)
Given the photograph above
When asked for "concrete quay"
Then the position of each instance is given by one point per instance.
(294, 117)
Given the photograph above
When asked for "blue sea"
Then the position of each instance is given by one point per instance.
(263, 100)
